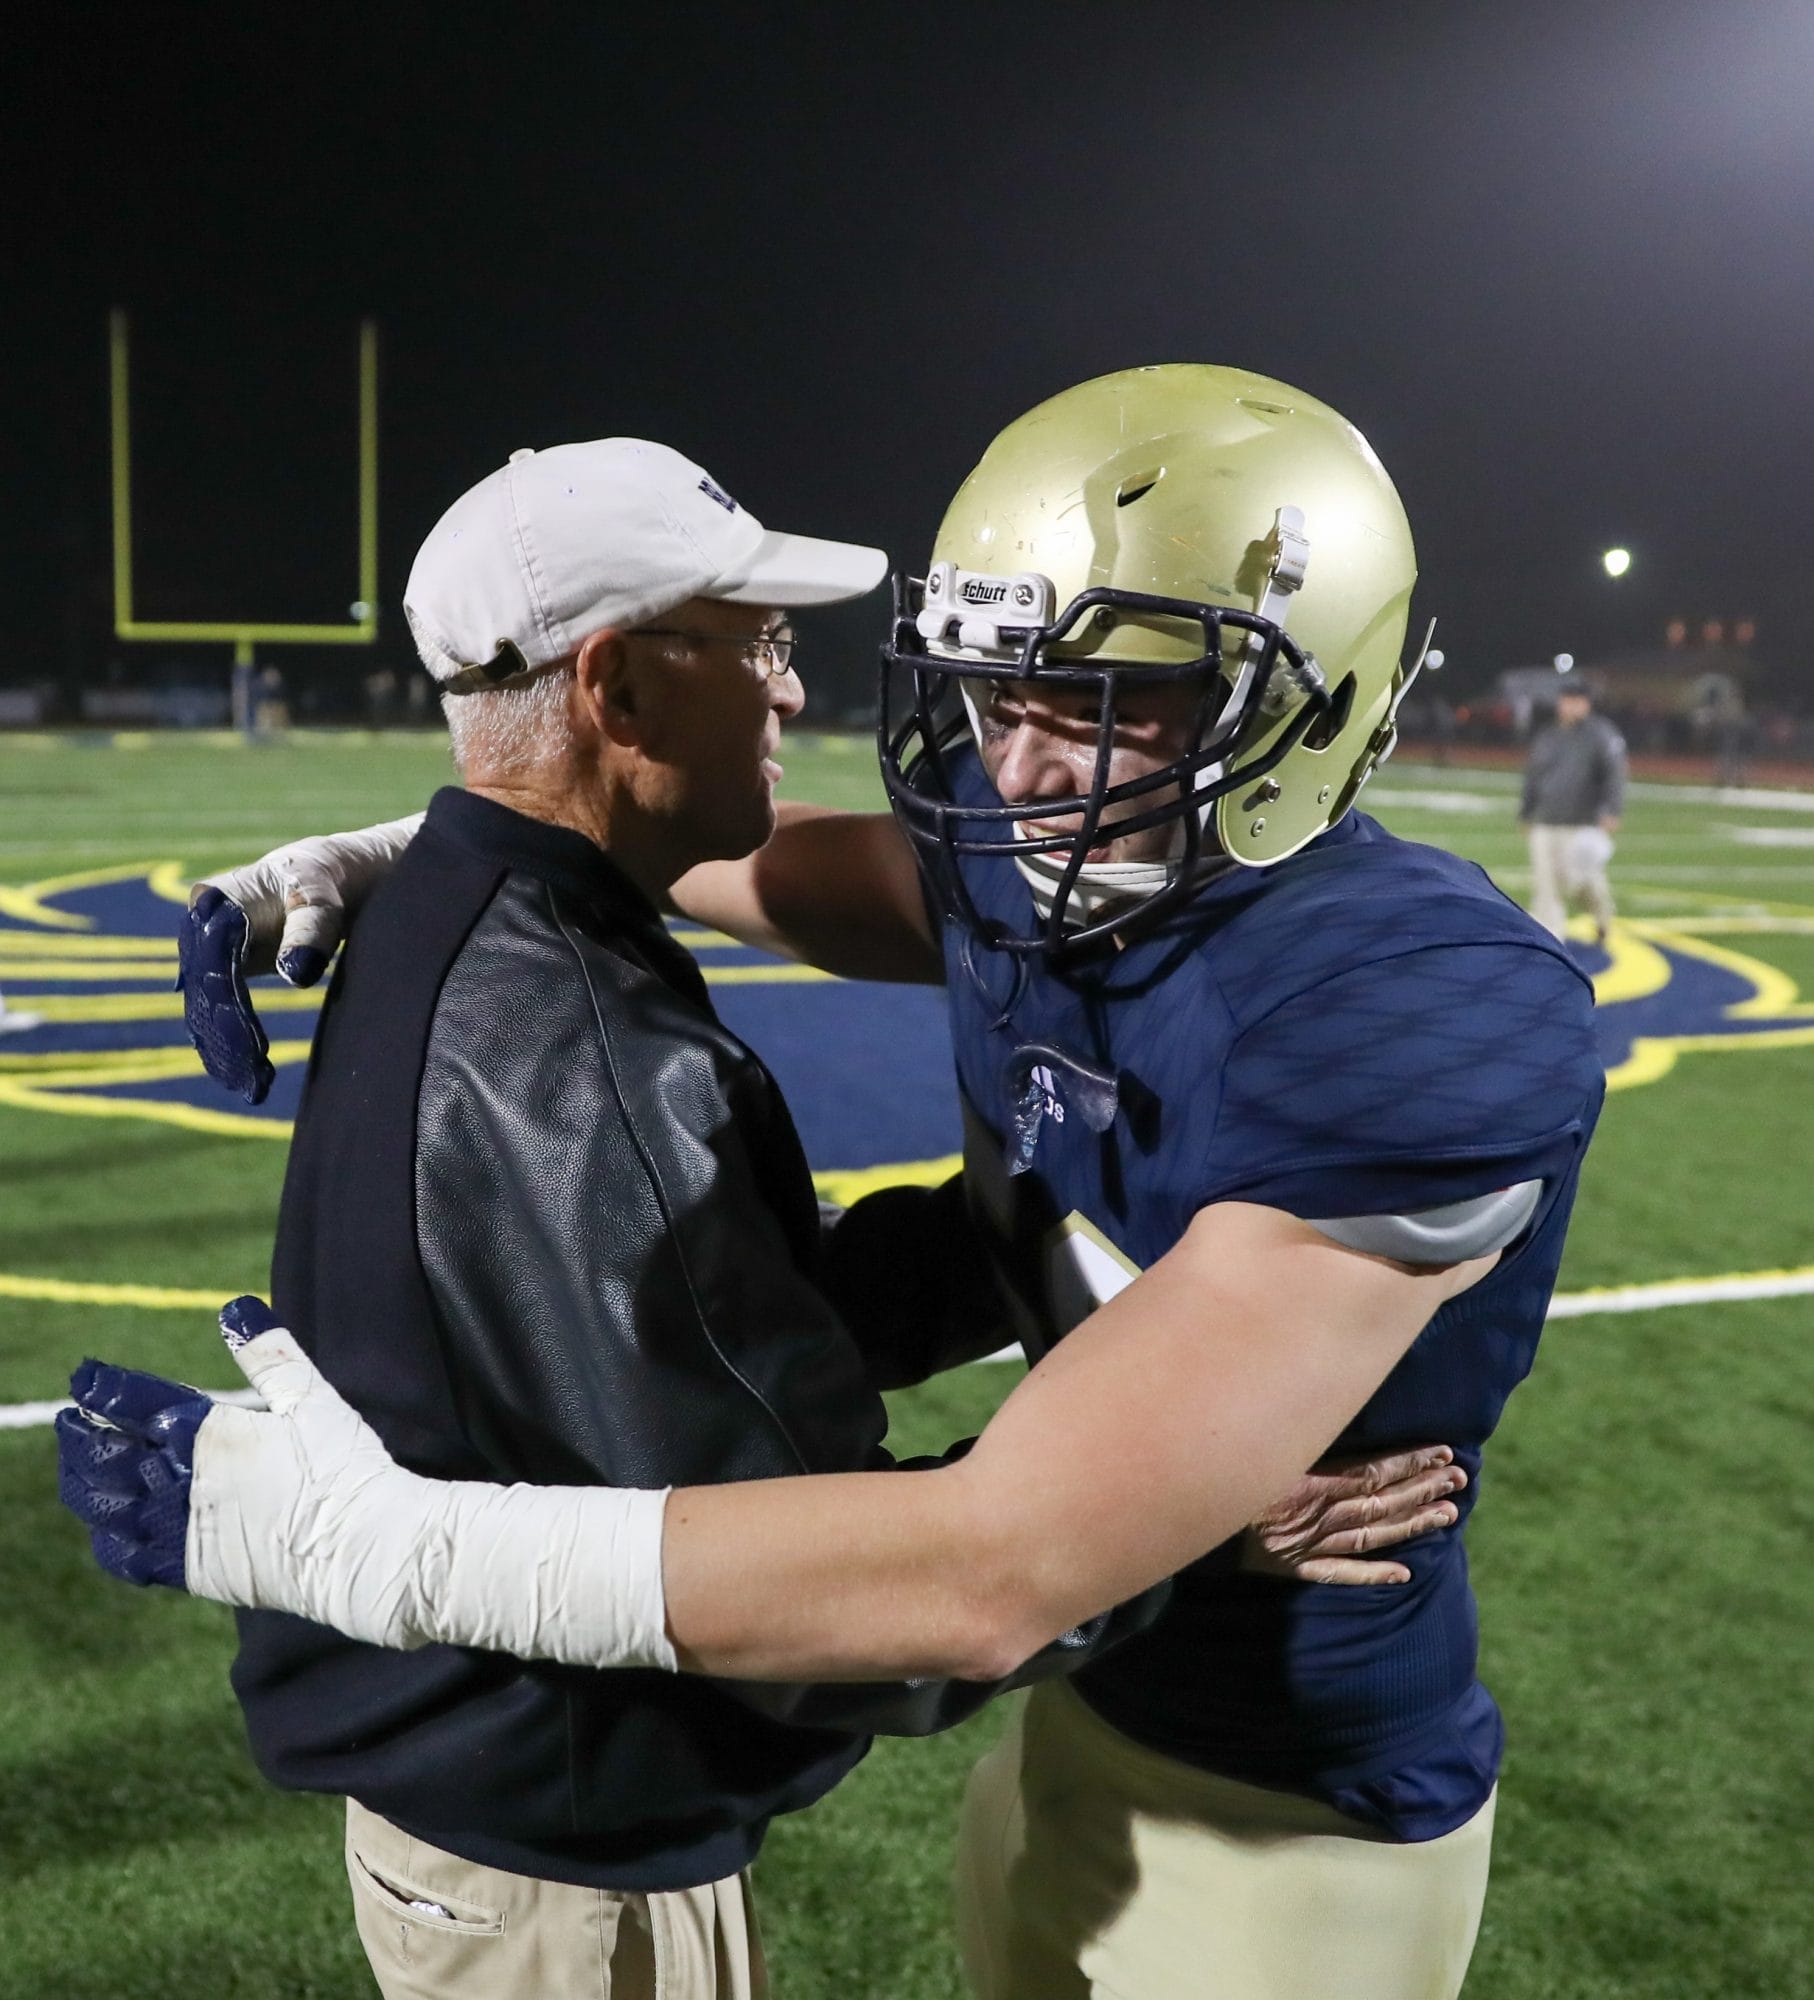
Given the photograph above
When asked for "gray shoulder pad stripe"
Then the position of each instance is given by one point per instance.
(1447, 1235)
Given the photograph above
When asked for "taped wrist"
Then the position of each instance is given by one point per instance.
(547, 1573)
(307, 1513)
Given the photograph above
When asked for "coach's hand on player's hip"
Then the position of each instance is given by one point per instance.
(1346, 1510)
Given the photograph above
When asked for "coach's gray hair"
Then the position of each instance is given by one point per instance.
(504, 732)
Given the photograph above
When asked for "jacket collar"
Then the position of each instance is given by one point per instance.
(556, 853)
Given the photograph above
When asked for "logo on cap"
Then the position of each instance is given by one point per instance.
(719, 494)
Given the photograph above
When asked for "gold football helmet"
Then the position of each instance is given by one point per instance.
(1180, 523)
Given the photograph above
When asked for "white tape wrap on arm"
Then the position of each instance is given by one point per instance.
(303, 894)
(299, 1508)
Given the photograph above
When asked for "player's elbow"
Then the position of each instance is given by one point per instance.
(1015, 1601)
(996, 1639)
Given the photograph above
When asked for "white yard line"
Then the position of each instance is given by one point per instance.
(1646, 1298)
(1565, 1305)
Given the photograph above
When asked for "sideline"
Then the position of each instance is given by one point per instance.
(1565, 1305)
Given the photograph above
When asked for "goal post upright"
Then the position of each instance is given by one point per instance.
(243, 635)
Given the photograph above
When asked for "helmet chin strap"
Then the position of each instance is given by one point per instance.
(1099, 885)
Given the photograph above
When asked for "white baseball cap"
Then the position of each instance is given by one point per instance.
(564, 542)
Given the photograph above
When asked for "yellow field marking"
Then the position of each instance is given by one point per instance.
(845, 1185)
(698, 940)
(28, 902)
(38, 1095)
(67, 1008)
(109, 1067)
(1777, 994)
(756, 975)
(1634, 971)
(84, 950)
(92, 970)
(1774, 997)
(62, 1292)
(171, 881)
(78, 1007)
(1652, 1059)
(1735, 1288)
(76, 1067)
(100, 1061)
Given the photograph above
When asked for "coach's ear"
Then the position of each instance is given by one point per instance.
(608, 703)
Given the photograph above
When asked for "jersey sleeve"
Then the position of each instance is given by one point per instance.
(1409, 1083)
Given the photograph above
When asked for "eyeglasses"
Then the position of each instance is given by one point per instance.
(772, 651)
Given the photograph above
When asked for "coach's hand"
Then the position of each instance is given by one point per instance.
(297, 1507)
(1344, 1508)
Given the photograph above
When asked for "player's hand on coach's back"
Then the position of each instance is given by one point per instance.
(298, 1507)
(287, 913)
(246, 1507)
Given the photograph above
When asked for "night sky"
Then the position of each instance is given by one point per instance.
(1556, 260)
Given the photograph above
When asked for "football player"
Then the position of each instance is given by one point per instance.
(1273, 1122)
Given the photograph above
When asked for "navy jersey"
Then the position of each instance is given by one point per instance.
(1367, 1028)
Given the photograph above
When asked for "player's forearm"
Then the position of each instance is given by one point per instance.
(858, 1576)
(1158, 1429)
(836, 890)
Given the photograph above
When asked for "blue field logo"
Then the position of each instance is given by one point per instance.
(95, 956)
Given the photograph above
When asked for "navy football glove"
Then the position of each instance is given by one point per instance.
(217, 1005)
(126, 1455)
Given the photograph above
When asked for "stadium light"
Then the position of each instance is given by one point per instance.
(1616, 562)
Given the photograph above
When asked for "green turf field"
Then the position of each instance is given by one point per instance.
(1639, 1549)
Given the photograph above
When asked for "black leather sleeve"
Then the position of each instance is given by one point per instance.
(907, 1271)
(622, 1301)
(616, 1225)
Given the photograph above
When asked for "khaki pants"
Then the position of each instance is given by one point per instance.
(1557, 871)
(511, 1937)
(1091, 1868)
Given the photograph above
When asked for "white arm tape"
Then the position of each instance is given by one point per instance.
(303, 893)
(299, 1508)
(569, 1573)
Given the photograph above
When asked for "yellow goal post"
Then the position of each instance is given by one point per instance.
(243, 634)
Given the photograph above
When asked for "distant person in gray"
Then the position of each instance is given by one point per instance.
(1574, 793)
